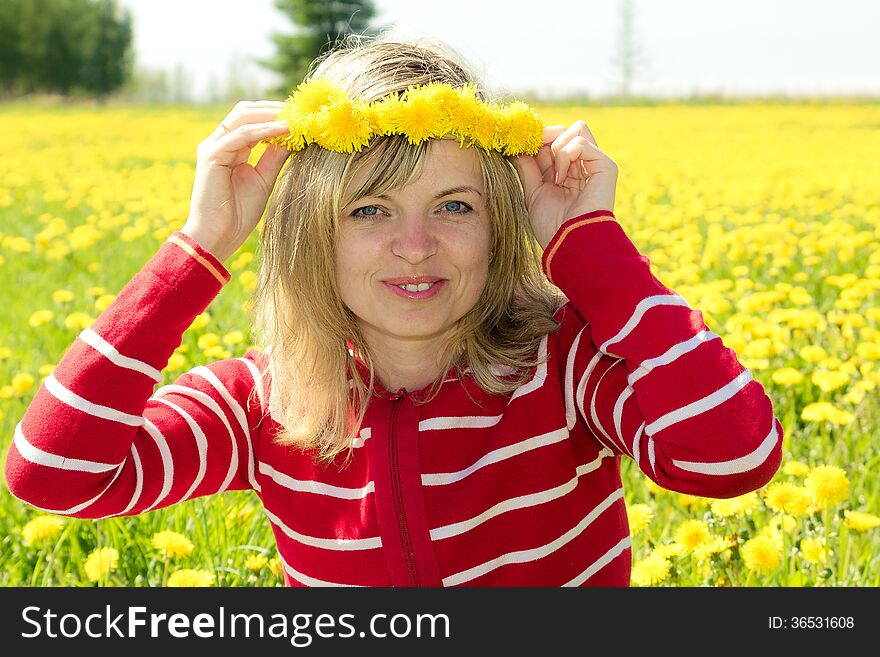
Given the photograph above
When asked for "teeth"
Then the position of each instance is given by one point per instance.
(421, 287)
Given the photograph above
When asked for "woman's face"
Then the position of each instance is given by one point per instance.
(432, 237)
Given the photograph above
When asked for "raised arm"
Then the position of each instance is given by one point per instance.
(646, 374)
(97, 440)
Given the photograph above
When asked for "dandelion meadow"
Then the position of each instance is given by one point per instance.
(764, 216)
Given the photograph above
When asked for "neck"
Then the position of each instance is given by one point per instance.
(408, 364)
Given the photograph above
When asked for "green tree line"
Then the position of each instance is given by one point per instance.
(68, 47)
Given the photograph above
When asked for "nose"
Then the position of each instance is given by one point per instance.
(414, 238)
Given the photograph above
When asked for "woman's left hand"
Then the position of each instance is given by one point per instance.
(568, 177)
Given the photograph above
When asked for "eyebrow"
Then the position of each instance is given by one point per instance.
(445, 192)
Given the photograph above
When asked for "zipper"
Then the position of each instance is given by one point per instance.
(409, 556)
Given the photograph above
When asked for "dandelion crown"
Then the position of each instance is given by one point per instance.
(319, 111)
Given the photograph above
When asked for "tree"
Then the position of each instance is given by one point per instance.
(321, 25)
(64, 46)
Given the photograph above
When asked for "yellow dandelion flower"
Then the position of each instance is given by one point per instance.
(829, 381)
(714, 545)
(692, 533)
(190, 577)
(207, 340)
(276, 567)
(41, 528)
(23, 382)
(783, 522)
(860, 521)
(784, 496)
(740, 505)
(201, 321)
(650, 571)
(233, 338)
(172, 544)
(217, 353)
(40, 318)
(689, 501)
(762, 554)
(101, 562)
(62, 296)
(796, 468)
(5, 352)
(78, 321)
(248, 280)
(46, 370)
(827, 485)
(419, 117)
(813, 353)
(177, 362)
(826, 412)
(103, 301)
(813, 550)
(520, 130)
(95, 292)
(640, 516)
(343, 127)
(787, 376)
(255, 562)
(868, 350)
(667, 550)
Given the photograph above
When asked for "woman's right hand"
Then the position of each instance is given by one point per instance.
(229, 195)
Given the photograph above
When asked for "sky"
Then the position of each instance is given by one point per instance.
(561, 48)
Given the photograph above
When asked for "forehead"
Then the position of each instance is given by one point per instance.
(444, 162)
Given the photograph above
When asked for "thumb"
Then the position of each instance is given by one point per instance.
(529, 173)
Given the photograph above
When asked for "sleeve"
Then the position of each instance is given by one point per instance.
(96, 441)
(647, 376)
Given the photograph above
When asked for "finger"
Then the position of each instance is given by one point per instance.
(578, 149)
(578, 128)
(243, 116)
(224, 149)
(270, 163)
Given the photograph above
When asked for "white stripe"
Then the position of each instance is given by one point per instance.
(594, 414)
(79, 507)
(305, 579)
(523, 556)
(258, 381)
(100, 344)
(201, 445)
(206, 399)
(708, 402)
(38, 456)
(361, 438)
(521, 502)
(540, 374)
(644, 306)
(618, 411)
(581, 393)
(570, 411)
(672, 354)
(637, 444)
(73, 400)
(138, 485)
(460, 422)
(316, 487)
(496, 455)
(336, 544)
(651, 454)
(601, 562)
(734, 466)
(167, 463)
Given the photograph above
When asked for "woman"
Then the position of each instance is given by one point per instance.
(426, 407)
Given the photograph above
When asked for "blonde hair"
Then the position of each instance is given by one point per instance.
(300, 319)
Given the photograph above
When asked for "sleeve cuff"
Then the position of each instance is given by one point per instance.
(204, 257)
(596, 216)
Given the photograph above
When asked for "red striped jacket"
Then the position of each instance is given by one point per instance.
(472, 488)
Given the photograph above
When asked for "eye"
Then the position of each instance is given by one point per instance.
(462, 208)
(368, 211)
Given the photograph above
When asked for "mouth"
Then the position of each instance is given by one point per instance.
(415, 288)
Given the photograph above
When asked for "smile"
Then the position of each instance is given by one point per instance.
(415, 291)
